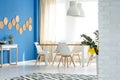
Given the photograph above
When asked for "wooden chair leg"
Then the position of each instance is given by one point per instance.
(67, 61)
(90, 59)
(72, 58)
(79, 59)
(49, 60)
(40, 58)
(37, 59)
(60, 61)
(54, 59)
(72, 61)
(64, 61)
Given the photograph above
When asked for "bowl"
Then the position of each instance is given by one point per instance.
(2, 42)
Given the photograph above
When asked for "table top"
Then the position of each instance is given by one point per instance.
(57, 44)
(8, 46)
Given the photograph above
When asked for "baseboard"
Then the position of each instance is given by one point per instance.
(20, 62)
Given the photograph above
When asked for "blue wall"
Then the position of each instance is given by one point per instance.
(25, 9)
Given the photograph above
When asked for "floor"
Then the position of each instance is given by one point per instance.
(28, 67)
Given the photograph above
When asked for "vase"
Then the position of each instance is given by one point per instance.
(10, 42)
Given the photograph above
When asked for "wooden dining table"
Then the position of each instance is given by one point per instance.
(57, 44)
(45, 45)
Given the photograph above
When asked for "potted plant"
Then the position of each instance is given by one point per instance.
(90, 42)
(10, 39)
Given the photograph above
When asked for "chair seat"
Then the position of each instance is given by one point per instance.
(44, 52)
(65, 53)
(91, 51)
(78, 53)
(40, 52)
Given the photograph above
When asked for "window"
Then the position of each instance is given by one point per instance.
(69, 28)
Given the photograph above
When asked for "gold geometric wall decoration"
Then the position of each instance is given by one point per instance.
(27, 23)
(1, 24)
(24, 27)
(20, 31)
(17, 27)
(5, 21)
(30, 27)
(9, 25)
(17, 18)
(13, 21)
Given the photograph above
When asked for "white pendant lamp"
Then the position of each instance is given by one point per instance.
(81, 10)
(75, 9)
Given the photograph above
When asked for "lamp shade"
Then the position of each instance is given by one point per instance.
(79, 5)
(75, 9)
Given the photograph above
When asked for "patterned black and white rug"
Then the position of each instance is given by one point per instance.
(56, 76)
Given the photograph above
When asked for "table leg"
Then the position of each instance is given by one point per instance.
(1, 57)
(83, 56)
(46, 61)
(16, 55)
(9, 56)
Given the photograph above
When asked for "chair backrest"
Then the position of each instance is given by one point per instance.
(38, 47)
(77, 49)
(56, 50)
(91, 51)
(63, 49)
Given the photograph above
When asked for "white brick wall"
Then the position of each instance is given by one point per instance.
(109, 28)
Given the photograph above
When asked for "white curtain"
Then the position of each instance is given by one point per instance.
(57, 27)
(47, 27)
(47, 21)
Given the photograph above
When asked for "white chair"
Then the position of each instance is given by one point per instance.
(92, 54)
(77, 50)
(40, 52)
(57, 54)
(65, 53)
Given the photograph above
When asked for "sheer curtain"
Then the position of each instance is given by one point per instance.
(69, 29)
(47, 27)
(56, 26)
